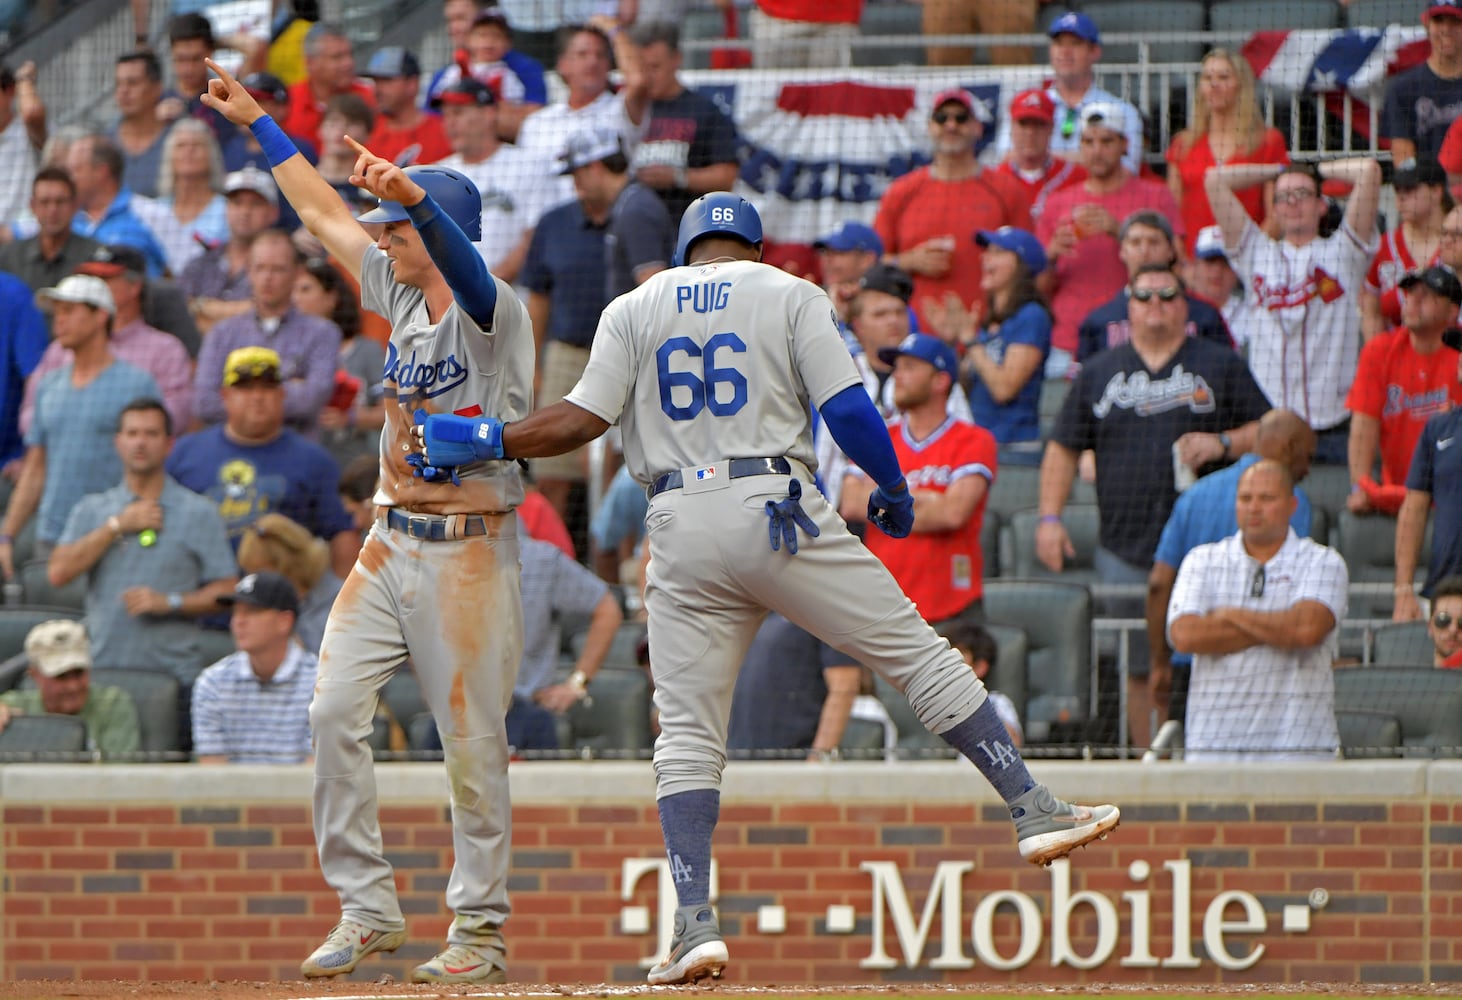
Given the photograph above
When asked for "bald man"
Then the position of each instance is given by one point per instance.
(1205, 513)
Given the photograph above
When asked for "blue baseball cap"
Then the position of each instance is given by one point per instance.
(391, 63)
(851, 236)
(1019, 242)
(1078, 24)
(926, 348)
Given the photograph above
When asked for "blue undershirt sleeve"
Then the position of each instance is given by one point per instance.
(860, 432)
(458, 260)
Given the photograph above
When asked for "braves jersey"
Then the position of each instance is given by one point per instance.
(1055, 175)
(737, 352)
(1403, 390)
(1131, 416)
(452, 366)
(1305, 340)
(940, 571)
(1387, 269)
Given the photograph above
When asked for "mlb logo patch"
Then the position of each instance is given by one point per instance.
(705, 472)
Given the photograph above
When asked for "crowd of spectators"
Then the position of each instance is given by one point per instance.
(187, 372)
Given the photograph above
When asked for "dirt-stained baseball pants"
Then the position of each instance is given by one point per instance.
(454, 608)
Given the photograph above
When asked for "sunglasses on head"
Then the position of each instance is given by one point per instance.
(1442, 620)
(1256, 585)
(958, 117)
(1165, 294)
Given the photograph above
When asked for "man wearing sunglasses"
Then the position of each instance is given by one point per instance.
(1306, 337)
(1130, 405)
(1259, 612)
(928, 217)
(1444, 628)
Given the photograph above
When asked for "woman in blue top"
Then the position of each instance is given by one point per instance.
(1005, 359)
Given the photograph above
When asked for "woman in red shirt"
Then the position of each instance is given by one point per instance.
(1227, 128)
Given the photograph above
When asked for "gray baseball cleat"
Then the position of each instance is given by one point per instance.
(1050, 829)
(696, 952)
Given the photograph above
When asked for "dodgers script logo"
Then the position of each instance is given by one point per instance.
(428, 379)
(1146, 396)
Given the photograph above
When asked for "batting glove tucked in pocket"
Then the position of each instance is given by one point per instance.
(786, 516)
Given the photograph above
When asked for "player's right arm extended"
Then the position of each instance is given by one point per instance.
(319, 206)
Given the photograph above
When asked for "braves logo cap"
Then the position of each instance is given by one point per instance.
(264, 590)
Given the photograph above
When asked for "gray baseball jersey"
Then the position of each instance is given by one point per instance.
(712, 362)
(720, 361)
(452, 606)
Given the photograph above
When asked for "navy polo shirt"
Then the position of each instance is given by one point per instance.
(566, 262)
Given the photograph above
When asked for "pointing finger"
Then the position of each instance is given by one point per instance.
(350, 141)
(223, 74)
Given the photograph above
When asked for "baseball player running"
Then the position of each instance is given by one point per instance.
(709, 369)
(437, 579)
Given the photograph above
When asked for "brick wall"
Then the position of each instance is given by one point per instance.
(151, 873)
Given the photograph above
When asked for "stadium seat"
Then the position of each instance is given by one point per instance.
(1427, 702)
(25, 735)
(12, 672)
(1366, 734)
(616, 715)
(1017, 487)
(1368, 545)
(213, 645)
(1319, 525)
(403, 699)
(25, 543)
(1327, 486)
(990, 526)
(1402, 644)
(1053, 394)
(698, 26)
(155, 693)
(16, 623)
(39, 590)
(881, 20)
(1056, 618)
(1115, 17)
(1267, 15)
(1018, 547)
(621, 655)
(1380, 13)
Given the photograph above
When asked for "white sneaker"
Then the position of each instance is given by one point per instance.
(346, 945)
(460, 963)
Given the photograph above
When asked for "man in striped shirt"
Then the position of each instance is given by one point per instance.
(253, 706)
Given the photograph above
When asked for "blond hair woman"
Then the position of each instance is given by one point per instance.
(276, 543)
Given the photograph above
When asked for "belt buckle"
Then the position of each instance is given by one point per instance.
(418, 526)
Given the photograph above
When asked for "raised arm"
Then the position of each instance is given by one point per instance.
(1364, 176)
(1221, 182)
(318, 205)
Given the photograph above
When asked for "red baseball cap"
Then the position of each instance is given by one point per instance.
(1442, 8)
(1033, 105)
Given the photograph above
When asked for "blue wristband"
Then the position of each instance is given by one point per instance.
(276, 145)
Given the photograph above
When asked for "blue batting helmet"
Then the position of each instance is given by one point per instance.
(719, 213)
(454, 193)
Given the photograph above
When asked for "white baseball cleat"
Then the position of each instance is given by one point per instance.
(1050, 829)
(346, 945)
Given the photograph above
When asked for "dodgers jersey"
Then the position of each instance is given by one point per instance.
(453, 366)
(736, 351)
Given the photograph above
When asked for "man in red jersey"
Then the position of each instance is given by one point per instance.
(1029, 162)
(950, 465)
(1404, 377)
(928, 217)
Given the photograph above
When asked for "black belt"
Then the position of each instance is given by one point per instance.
(736, 468)
(434, 527)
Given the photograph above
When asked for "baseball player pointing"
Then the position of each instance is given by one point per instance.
(441, 560)
(709, 370)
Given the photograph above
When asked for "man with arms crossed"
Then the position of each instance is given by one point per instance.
(444, 547)
(704, 366)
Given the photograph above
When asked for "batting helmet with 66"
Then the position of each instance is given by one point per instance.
(719, 213)
(454, 193)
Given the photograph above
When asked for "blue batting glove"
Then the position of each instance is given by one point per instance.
(786, 516)
(892, 509)
(431, 473)
(450, 440)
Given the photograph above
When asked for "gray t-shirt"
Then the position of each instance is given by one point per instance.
(718, 361)
(453, 366)
(191, 550)
(639, 235)
(76, 427)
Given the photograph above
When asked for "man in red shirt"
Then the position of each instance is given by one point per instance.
(1404, 377)
(950, 465)
(1029, 162)
(1079, 229)
(330, 70)
(928, 217)
(401, 123)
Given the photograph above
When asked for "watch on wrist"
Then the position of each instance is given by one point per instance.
(175, 602)
(1227, 443)
(579, 681)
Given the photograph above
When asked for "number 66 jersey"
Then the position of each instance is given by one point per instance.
(732, 352)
